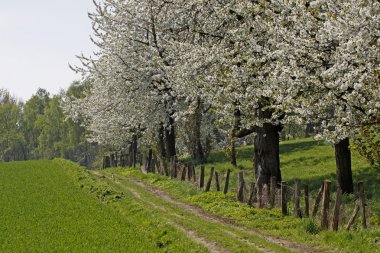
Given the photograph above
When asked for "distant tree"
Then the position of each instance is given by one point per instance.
(12, 142)
(53, 129)
(34, 108)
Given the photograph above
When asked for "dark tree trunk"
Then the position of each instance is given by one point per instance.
(267, 153)
(309, 130)
(133, 151)
(149, 165)
(192, 129)
(199, 156)
(134, 145)
(233, 153)
(170, 139)
(162, 150)
(343, 166)
(161, 142)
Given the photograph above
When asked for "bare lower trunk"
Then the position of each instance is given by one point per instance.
(133, 151)
(162, 150)
(309, 130)
(267, 153)
(343, 166)
(192, 129)
(134, 145)
(233, 153)
(170, 140)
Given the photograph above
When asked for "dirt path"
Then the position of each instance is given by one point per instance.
(181, 214)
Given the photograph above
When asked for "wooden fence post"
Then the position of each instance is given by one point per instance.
(362, 204)
(227, 181)
(317, 201)
(273, 182)
(217, 181)
(208, 185)
(297, 196)
(325, 205)
(284, 204)
(307, 204)
(241, 183)
(202, 177)
(338, 201)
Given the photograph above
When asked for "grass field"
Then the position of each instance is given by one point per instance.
(308, 160)
(44, 209)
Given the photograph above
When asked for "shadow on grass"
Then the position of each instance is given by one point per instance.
(246, 152)
(286, 148)
(305, 161)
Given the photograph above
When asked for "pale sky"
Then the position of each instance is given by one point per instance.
(38, 39)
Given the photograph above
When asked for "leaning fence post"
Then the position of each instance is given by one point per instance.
(208, 185)
(362, 204)
(338, 201)
(307, 205)
(353, 216)
(325, 205)
(317, 201)
(240, 193)
(297, 196)
(217, 181)
(227, 181)
(284, 204)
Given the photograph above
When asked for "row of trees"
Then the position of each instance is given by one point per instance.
(38, 128)
(190, 71)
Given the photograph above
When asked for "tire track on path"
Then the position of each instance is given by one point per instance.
(235, 231)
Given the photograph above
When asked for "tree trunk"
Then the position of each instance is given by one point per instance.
(309, 130)
(199, 154)
(162, 150)
(233, 152)
(133, 151)
(267, 153)
(170, 139)
(161, 142)
(343, 166)
(150, 157)
(192, 129)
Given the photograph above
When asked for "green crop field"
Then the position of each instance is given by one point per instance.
(44, 209)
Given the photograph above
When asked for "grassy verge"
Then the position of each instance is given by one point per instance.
(308, 160)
